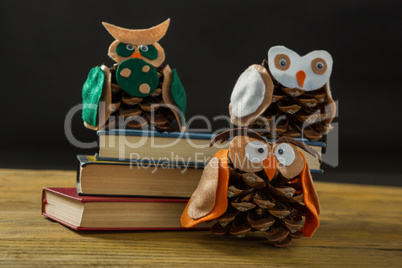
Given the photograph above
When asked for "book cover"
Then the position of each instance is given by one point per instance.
(94, 213)
(175, 147)
(99, 177)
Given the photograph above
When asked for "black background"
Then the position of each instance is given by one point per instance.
(48, 48)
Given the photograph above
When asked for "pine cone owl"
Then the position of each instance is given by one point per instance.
(137, 92)
(288, 95)
(256, 186)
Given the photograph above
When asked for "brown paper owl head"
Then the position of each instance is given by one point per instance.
(138, 54)
(142, 44)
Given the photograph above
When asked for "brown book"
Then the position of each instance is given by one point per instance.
(134, 145)
(141, 178)
(128, 145)
(65, 206)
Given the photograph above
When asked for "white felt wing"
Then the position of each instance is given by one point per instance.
(251, 95)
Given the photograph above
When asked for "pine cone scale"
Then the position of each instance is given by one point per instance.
(284, 243)
(276, 234)
(260, 224)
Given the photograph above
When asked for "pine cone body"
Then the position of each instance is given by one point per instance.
(140, 113)
(256, 204)
(295, 113)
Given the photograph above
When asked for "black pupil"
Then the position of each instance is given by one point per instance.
(280, 151)
(260, 150)
(282, 63)
(319, 66)
(130, 47)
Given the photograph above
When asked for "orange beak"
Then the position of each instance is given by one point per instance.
(301, 75)
(136, 55)
(270, 164)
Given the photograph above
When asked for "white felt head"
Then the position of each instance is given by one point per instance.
(309, 72)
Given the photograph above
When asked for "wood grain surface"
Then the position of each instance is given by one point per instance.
(360, 226)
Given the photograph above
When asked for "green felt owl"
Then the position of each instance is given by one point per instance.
(137, 91)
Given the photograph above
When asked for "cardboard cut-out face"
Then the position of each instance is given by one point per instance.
(152, 53)
(253, 155)
(137, 43)
(309, 72)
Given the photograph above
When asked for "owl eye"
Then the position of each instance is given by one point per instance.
(285, 154)
(319, 66)
(282, 62)
(144, 48)
(149, 51)
(256, 151)
(130, 47)
(124, 50)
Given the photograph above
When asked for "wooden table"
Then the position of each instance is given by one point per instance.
(360, 226)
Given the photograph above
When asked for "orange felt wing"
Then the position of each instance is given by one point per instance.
(310, 199)
(221, 201)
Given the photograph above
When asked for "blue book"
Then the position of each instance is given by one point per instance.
(175, 147)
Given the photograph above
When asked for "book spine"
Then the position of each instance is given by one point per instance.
(105, 160)
(181, 135)
(78, 178)
(149, 133)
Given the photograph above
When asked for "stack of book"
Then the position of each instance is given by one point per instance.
(139, 180)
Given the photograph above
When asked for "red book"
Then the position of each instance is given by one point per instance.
(65, 206)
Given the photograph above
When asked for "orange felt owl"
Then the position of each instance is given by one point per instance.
(256, 185)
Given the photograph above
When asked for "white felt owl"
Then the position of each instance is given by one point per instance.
(288, 95)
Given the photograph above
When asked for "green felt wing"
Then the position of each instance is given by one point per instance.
(178, 93)
(91, 94)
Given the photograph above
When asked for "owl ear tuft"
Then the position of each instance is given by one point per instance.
(138, 36)
(231, 133)
(302, 145)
